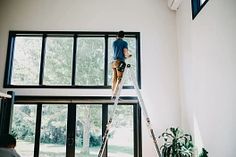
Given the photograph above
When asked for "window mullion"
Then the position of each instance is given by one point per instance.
(71, 128)
(74, 60)
(9, 61)
(38, 130)
(41, 73)
(106, 61)
(104, 124)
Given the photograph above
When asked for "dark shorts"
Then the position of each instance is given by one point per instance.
(119, 65)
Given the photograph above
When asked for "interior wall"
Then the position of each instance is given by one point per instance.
(207, 74)
(152, 18)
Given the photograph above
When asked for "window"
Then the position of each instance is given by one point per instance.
(124, 130)
(90, 61)
(197, 5)
(55, 129)
(26, 65)
(58, 61)
(65, 59)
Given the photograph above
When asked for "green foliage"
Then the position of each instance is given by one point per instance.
(90, 59)
(176, 143)
(14, 134)
(95, 140)
(26, 61)
(58, 61)
(24, 122)
(203, 153)
(58, 71)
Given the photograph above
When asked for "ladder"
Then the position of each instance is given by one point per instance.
(143, 108)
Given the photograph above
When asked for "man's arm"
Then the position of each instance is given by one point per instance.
(126, 53)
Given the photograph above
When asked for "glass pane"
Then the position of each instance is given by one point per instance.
(90, 61)
(26, 62)
(132, 60)
(23, 126)
(121, 142)
(53, 131)
(88, 130)
(58, 61)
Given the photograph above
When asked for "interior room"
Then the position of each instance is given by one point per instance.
(56, 76)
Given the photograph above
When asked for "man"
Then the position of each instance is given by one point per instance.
(7, 145)
(121, 52)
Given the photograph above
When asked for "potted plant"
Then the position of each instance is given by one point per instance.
(176, 143)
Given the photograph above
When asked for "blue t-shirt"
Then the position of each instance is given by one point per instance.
(118, 46)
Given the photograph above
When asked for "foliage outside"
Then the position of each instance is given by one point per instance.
(58, 71)
(58, 61)
(54, 129)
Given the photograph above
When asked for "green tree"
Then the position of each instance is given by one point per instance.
(24, 122)
(58, 71)
(89, 121)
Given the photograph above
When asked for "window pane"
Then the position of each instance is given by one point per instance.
(120, 141)
(132, 60)
(26, 63)
(53, 131)
(90, 61)
(23, 126)
(58, 61)
(88, 130)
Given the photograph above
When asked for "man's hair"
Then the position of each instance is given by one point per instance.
(121, 34)
(7, 140)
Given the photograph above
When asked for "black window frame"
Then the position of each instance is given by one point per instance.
(197, 7)
(75, 35)
(71, 102)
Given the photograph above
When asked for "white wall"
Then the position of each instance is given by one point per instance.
(207, 54)
(158, 50)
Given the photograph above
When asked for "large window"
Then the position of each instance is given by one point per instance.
(65, 59)
(76, 130)
(197, 6)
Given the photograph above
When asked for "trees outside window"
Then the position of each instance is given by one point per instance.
(69, 60)
(65, 59)
(42, 129)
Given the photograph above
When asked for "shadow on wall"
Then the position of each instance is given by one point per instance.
(197, 136)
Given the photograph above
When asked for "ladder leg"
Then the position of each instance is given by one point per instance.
(109, 125)
(141, 103)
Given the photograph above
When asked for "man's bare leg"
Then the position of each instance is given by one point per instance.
(118, 80)
(114, 80)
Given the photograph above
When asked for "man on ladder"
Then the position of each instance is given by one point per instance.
(119, 67)
(121, 52)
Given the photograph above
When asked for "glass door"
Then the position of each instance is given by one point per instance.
(74, 130)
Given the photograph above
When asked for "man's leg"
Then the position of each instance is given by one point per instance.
(114, 80)
(119, 77)
(115, 65)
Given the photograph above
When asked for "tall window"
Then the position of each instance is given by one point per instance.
(197, 5)
(23, 127)
(65, 59)
(54, 130)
